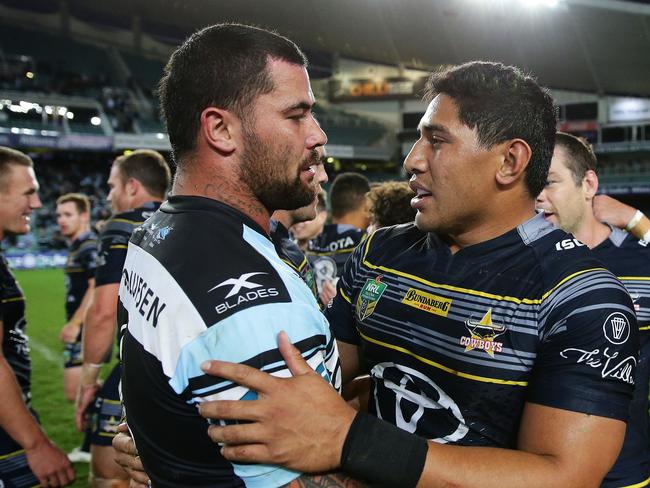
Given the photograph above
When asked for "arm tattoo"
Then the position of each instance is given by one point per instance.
(331, 480)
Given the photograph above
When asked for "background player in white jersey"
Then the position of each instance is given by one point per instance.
(238, 106)
(567, 201)
(27, 456)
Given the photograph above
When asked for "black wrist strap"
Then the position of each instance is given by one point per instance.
(381, 454)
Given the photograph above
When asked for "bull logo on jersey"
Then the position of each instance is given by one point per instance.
(482, 334)
(410, 400)
(369, 296)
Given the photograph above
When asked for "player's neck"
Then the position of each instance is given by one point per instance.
(224, 187)
(490, 226)
(79, 233)
(355, 219)
(591, 231)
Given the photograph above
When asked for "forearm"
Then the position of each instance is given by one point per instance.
(79, 315)
(15, 417)
(486, 467)
(98, 332)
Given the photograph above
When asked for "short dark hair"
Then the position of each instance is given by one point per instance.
(224, 65)
(502, 103)
(580, 157)
(81, 201)
(348, 193)
(148, 167)
(8, 158)
(390, 203)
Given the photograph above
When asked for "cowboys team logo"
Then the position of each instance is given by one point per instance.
(369, 296)
(482, 334)
(410, 400)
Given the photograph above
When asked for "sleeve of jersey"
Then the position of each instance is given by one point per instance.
(113, 244)
(90, 260)
(250, 337)
(589, 347)
(340, 312)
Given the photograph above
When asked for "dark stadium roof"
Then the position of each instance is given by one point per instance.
(589, 45)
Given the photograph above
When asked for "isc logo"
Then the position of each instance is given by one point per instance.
(565, 244)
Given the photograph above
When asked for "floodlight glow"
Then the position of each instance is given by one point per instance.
(540, 3)
(160, 135)
(95, 120)
(70, 115)
(330, 160)
(29, 75)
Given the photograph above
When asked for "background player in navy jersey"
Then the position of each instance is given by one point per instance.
(567, 201)
(138, 183)
(514, 357)
(27, 456)
(73, 218)
(329, 251)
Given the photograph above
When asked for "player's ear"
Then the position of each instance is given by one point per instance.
(590, 184)
(218, 129)
(516, 155)
(132, 186)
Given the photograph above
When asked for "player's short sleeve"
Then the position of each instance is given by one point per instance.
(113, 244)
(589, 351)
(340, 312)
(89, 259)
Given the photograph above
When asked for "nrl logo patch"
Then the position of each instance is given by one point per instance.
(369, 296)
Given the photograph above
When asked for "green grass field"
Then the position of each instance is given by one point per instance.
(44, 294)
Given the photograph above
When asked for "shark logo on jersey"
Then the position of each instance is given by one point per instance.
(369, 296)
(159, 234)
(420, 406)
(482, 334)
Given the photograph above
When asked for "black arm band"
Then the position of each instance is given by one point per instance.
(381, 454)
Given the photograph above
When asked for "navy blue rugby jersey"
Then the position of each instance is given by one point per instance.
(629, 259)
(202, 281)
(291, 254)
(329, 251)
(79, 268)
(456, 343)
(15, 344)
(114, 240)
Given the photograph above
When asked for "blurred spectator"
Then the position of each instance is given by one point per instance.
(390, 204)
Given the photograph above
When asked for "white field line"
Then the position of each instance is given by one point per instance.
(48, 354)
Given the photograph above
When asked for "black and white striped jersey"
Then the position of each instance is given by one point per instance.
(202, 281)
(456, 343)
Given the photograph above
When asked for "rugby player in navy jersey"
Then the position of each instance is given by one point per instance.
(138, 183)
(329, 251)
(27, 456)
(202, 278)
(73, 217)
(567, 202)
(503, 351)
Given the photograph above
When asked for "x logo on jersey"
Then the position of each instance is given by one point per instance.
(238, 283)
